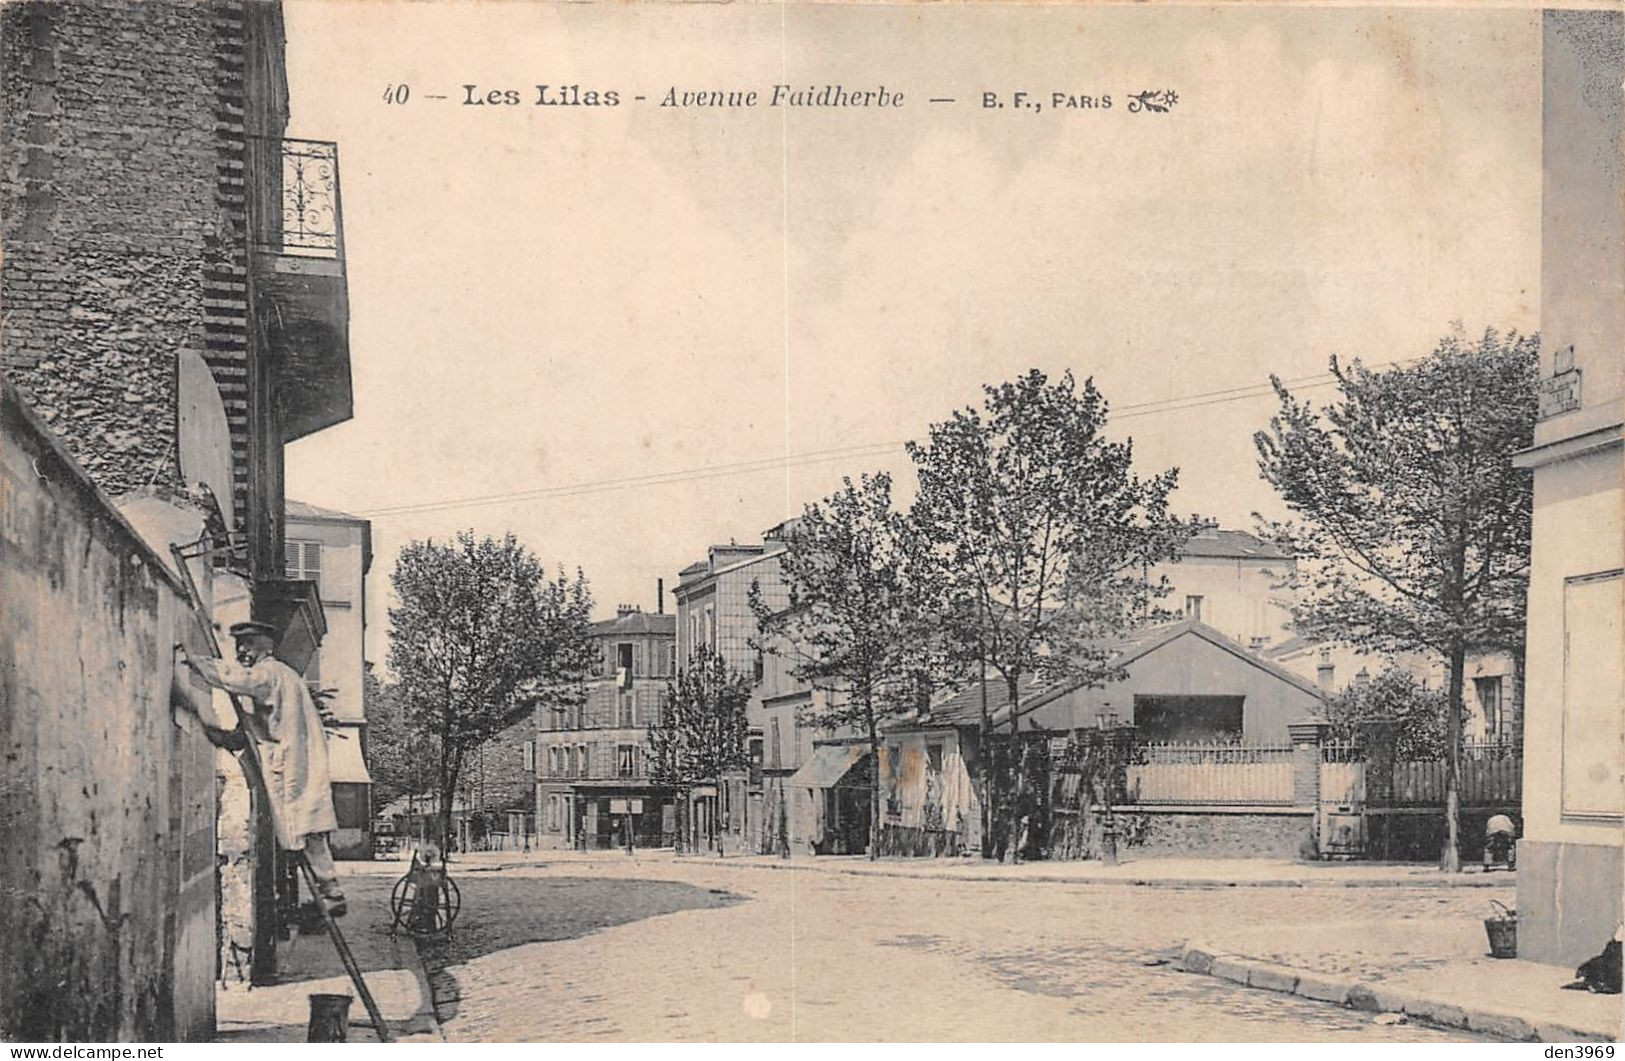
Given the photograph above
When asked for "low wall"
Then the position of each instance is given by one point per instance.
(107, 792)
(1214, 832)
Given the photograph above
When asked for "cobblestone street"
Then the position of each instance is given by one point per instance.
(664, 949)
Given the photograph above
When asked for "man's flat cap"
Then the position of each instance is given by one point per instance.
(253, 629)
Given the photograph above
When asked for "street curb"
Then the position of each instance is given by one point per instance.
(1373, 997)
(1179, 883)
(425, 1023)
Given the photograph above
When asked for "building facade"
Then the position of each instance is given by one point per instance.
(1569, 857)
(172, 269)
(1232, 581)
(333, 551)
(592, 767)
(714, 612)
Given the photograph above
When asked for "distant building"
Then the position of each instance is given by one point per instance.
(713, 610)
(333, 551)
(591, 760)
(1232, 581)
(1569, 857)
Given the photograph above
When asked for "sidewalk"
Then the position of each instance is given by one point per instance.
(1148, 872)
(1437, 972)
(278, 1013)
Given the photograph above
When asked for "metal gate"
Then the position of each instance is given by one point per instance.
(1340, 817)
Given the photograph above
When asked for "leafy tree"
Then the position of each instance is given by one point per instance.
(1412, 529)
(479, 631)
(702, 731)
(856, 626)
(1039, 534)
(1393, 712)
(395, 753)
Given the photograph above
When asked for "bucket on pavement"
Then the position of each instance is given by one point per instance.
(1503, 931)
(329, 1019)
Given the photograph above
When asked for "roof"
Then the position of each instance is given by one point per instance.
(303, 510)
(300, 510)
(637, 622)
(965, 706)
(1217, 543)
(344, 762)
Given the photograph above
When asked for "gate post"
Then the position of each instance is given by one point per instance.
(1306, 740)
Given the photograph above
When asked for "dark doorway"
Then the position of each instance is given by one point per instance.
(1163, 719)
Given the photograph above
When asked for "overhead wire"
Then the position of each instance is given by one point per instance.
(1178, 403)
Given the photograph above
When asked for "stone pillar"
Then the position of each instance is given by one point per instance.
(1306, 740)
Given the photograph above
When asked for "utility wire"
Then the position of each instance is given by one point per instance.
(1178, 403)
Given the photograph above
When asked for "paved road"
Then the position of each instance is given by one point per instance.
(672, 950)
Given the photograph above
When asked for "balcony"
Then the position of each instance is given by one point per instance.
(296, 218)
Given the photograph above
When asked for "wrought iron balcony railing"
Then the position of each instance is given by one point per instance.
(301, 212)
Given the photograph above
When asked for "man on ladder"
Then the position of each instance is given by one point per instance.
(293, 747)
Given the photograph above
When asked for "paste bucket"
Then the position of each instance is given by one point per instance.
(329, 1019)
(1502, 930)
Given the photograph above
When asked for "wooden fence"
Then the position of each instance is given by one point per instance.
(1491, 774)
(1206, 774)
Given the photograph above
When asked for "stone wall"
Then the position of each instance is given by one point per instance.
(109, 190)
(1203, 833)
(124, 127)
(107, 791)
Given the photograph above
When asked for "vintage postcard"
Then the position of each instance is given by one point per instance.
(801, 522)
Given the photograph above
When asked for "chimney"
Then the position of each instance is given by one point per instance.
(660, 596)
(623, 610)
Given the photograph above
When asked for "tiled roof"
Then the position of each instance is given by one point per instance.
(1232, 544)
(965, 706)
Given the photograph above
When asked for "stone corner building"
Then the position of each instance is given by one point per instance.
(1570, 857)
(175, 312)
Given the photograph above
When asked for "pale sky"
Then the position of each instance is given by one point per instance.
(551, 297)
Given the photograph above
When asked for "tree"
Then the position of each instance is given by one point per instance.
(394, 752)
(1395, 713)
(702, 731)
(856, 626)
(481, 632)
(1040, 536)
(1412, 529)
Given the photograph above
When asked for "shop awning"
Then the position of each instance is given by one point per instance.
(345, 765)
(830, 765)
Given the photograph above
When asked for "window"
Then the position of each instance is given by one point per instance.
(553, 761)
(759, 667)
(569, 762)
(626, 714)
(623, 760)
(585, 772)
(1193, 608)
(304, 560)
(693, 634)
(639, 667)
(530, 755)
(623, 661)
(671, 664)
(933, 757)
(1489, 700)
(773, 751)
(710, 626)
(756, 762)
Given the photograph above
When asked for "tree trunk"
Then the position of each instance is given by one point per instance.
(1012, 847)
(984, 790)
(1450, 861)
(874, 790)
